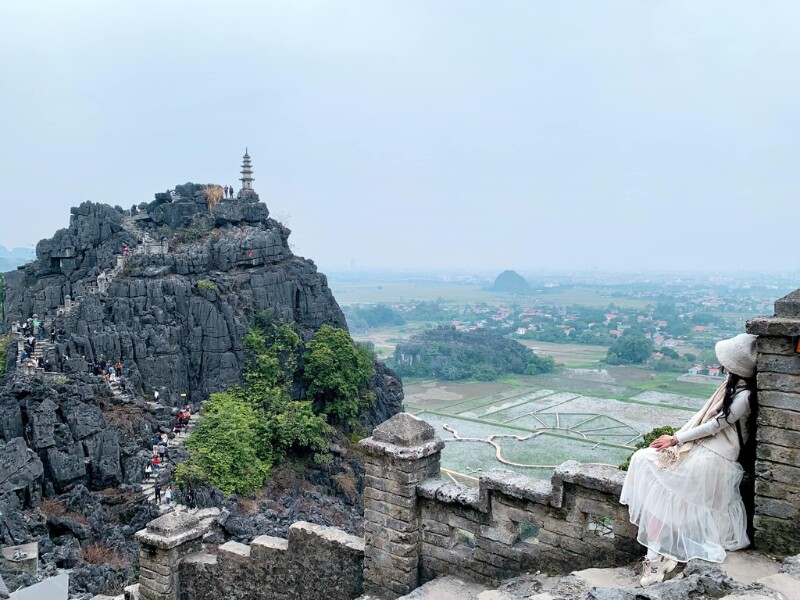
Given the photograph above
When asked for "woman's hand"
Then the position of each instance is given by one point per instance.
(662, 443)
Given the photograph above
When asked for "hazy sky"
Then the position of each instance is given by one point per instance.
(531, 134)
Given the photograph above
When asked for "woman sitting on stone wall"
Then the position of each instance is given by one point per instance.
(683, 491)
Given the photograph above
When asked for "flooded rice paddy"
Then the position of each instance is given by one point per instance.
(531, 426)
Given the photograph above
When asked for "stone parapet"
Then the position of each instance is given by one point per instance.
(777, 468)
(512, 524)
(315, 563)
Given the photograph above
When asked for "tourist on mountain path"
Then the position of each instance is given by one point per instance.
(112, 373)
(157, 490)
(148, 470)
(190, 499)
(683, 491)
(53, 335)
(168, 495)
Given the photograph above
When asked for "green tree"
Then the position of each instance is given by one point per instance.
(223, 448)
(336, 370)
(632, 347)
(648, 439)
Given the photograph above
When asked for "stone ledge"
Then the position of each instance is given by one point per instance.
(454, 493)
(603, 478)
(378, 448)
(518, 486)
(147, 538)
(331, 535)
(777, 326)
(234, 550)
(404, 429)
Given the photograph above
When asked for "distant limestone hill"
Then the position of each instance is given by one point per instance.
(511, 282)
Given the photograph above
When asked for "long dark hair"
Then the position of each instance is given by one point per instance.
(734, 385)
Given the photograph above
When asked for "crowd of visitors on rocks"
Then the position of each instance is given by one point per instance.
(160, 445)
(32, 331)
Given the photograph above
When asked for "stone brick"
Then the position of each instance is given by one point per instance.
(505, 509)
(782, 419)
(777, 472)
(593, 507)
(517, 486)
(407, 502)
(390, 487)
(435, 527)
(778, 437)
(778, 363)
(390, 510)
(442, 541)
(778, 454)
(775, 508)
(780, 537)
(782, 400)
(777, 490)
(565, 528)
(774, 345)
(507, 534)
(778, 382)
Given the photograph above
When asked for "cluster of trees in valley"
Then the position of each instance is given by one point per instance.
(444, 353)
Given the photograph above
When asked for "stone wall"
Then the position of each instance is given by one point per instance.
(418, 526)
(315, 563)
(777, 486)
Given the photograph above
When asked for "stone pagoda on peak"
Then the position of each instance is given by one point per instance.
(247, 176)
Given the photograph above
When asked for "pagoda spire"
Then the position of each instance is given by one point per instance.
(247, 174)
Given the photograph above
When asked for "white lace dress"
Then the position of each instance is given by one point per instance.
(693, 510)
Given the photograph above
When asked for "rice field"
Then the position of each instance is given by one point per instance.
(533, 424)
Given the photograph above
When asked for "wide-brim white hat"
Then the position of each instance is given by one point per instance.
(738, 354)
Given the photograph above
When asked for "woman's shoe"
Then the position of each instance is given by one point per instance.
(654, 571)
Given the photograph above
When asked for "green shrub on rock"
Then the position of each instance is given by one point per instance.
(205, 284)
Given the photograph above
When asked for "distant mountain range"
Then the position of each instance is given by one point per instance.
(11, 259)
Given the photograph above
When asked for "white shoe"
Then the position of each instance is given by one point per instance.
(654, 571)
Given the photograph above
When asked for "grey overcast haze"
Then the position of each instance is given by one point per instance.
(614, 135)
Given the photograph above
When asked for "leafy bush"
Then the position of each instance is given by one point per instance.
(648, 439)
(205, 284)
(247, 430)
(337, 369)
(223, 447)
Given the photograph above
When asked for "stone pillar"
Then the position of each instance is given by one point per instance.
(777, 486)
(401, 453)
(165, 541)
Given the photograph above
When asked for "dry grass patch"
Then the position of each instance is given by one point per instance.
(125, 417)
(54, 507)
(98, 554)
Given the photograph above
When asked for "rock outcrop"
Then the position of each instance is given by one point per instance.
(178, 311)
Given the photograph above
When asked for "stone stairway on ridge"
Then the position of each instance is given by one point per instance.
(148, 486)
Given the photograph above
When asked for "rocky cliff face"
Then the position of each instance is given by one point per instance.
(177, 318)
